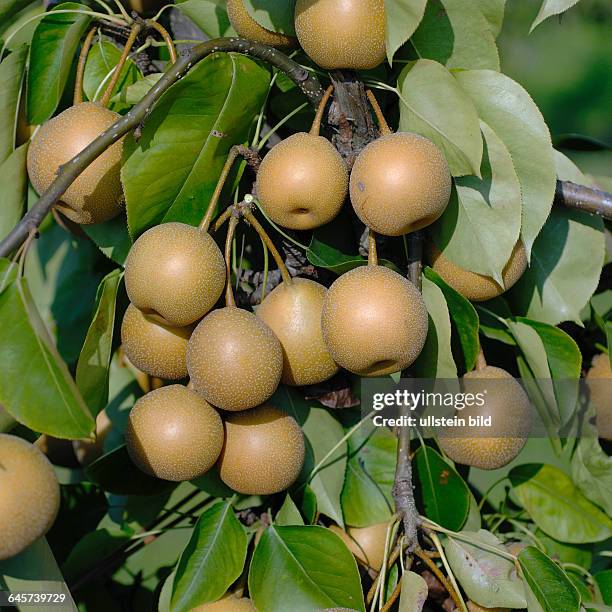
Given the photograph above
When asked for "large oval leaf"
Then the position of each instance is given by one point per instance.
(592, 472)
(432, 104)
(14, 193)
(11, 76)
(511, 113)
(170, 174)
(208, 15)
(547, 581)
(403, 18)
(54, 47)
(310, 567)
(493, 11)
(212, 560)
(556, 505)
(414, 593)
(456, 33)
(439, 483)
(50, 401)
(482, 222)
(550, 8)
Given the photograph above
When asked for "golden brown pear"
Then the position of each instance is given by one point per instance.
(157, 349)
(302, 182)
(174, 433)
(508, 406)
(29, 495)
(247, 27)
(87, 451)
(229, 603)
(263, 453)
(400, 183)
(374, 321)
(340, 34)
(366, 543)
(96, 195)
(175, 271)
(477, 287)
(598, 381)
(234, 359)
(293, 312)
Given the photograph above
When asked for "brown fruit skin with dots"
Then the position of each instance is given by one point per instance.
(293, 312)
(400, 183)
(234, 359)
(509, 407)
(302, 182)
(29, 495)
(87, 451)
(366, 543)
(156, 349)
(477, 287)
(374, 321)
(176, 272)
(174, 434)
(96, 195)
(247, 27)
(342, 34)
(263, 453)
(229, 603)
(598, 381)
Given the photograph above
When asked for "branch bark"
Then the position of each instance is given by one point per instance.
(68, 173)
(583, 198)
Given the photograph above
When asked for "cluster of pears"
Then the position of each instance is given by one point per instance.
(336, 34)
(29, 495)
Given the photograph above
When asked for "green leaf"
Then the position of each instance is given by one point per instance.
(101, 62)
(579, 554)
(367, 493)
(54, 47)
(489, 579)
(213, 559)
(35, 571)
(209, 15)
(433, 104)
(550, 8)
(456, 33)
(482, 222)
(493, 11)
(439, 483)
(326, 256)
(112, 238)
(414, 593)
(170, 174)
(274, 15)
(133, 93)
(288, 513)
(551, 587)
(604, 583)
(566, 264)
(8, 8)
(592, 472)
(309, 566)
(115, 473)
(50, 401)
(11, 76)
(324, 432)
(511, 113)
(436, 358)
(403, 18)
(94, 360)
(14, 193)
(556, 505)
(464, 319)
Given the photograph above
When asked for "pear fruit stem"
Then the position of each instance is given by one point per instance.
(372, 249)
(129, 43)
(316, 124)
(78, 84)
(231, 231)
(150, 23)
(385, 130)
(481, 362)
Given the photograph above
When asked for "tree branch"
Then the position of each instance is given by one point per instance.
(69, 172)
(584, 198)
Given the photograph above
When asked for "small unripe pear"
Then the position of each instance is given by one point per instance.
(400, 183)
(234, 359)
(174, 434)
(366, 543)
(340, 34)
(29, 495)
(293, 312)
(374, 321)
(175, 271)
(302, 182)
(96, 195)
(247, 27)
(263, 453)
(157, 349)
(598, 381)
(478, 287)
(508, 406)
